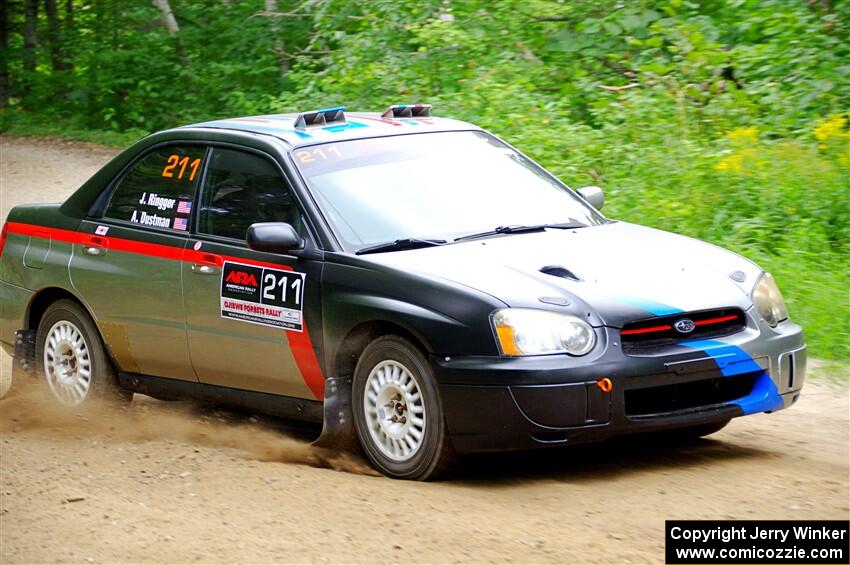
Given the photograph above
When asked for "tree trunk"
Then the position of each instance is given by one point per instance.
(4, 63)
(282, 59)
(30, 44)
(30, 37)
(53, 35)
(68, 35)
(173, 28)
(167, 16)
(69, 14)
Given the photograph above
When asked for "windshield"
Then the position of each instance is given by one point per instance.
(435, 185)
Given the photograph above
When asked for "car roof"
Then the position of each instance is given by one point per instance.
(357, 125)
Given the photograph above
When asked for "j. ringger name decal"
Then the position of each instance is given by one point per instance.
(157, 201)
(262, 296)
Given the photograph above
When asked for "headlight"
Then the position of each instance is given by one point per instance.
(768, 300)
(521, 331)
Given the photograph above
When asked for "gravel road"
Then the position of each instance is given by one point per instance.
(170, 482)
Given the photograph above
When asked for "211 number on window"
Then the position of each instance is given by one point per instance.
(174, 161)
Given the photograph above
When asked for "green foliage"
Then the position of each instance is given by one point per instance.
(128, 72)
(725, 120)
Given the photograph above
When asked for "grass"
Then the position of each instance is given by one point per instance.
(834, 373)
(32, 125)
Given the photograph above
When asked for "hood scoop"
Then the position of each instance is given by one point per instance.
(560, 272)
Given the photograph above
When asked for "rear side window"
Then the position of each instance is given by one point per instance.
(240, 189)
(158, 191)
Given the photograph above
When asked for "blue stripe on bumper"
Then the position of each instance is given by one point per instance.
(730, 359)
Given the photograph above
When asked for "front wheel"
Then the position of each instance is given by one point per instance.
(398, 413)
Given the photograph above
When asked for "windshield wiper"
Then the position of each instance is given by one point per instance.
(401, 244)
(521, 229)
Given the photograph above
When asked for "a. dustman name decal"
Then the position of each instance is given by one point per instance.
(150, 220)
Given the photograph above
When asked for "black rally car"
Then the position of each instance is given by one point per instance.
(410, 281)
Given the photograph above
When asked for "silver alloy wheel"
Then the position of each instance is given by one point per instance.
(67, 363)
(395, 410)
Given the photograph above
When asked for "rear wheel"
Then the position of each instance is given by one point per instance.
(397, 411)
(71, 360)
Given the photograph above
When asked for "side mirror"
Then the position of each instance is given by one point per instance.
(273, 237)
(593, 195)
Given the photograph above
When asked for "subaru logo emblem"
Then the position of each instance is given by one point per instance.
(684, 326)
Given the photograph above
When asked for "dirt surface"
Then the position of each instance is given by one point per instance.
(170, 482)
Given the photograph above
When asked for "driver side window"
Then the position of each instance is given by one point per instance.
(240, 189)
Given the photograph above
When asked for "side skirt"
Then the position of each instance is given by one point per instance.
(271, 404)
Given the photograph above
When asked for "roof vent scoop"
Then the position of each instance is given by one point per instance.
(408, 111)
(559, 271)
(320, 118)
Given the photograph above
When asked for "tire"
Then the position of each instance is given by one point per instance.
(71, 361)
(394, 399)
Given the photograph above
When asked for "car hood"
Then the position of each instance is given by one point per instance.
(610, 274)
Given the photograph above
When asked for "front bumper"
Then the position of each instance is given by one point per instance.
(502, 403)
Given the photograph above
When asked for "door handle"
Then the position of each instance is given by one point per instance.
(207, 264)
(95, 245)
(204, 269)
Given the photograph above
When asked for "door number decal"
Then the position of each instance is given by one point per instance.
(260, 295)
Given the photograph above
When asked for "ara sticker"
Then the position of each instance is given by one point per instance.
(260, 295)
(101, 230)
(197, 245)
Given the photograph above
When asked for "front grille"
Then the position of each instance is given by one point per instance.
(650, 333)
(664, 399)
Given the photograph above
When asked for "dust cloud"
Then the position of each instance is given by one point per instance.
(146, 420)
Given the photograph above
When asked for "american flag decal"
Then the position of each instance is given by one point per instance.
(184, 207)
(181, 224)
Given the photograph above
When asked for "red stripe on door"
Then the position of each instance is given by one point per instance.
(305, 357)
(114, 243)
(299, 342)
(67, 236)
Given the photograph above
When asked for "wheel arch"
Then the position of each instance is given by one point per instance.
(357, 338)
(42, 300)
(46, 296)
